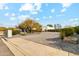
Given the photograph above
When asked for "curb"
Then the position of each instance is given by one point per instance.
(14, 49)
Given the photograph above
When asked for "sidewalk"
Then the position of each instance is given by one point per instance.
(4, 50)
(21, 47)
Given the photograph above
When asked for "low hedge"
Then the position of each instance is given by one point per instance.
(69, 31)
(2, 28)
(14, 32)
(66, 32)
(56, 30)
(62, 34)
(23, 33)
(77, 29)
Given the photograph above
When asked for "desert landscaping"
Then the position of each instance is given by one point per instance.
(24, 38)
(39, 29)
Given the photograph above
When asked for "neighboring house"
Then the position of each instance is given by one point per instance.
(45, 28)
(56, 26)
(50, 28)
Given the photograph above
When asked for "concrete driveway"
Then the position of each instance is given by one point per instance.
(52, 39)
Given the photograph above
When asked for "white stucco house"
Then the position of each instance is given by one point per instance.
(55, 26)
(44, 28)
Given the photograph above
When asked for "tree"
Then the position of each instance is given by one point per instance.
(57, 26)
(28, 25)
(50, 25)
(22, 26)
(37, 27)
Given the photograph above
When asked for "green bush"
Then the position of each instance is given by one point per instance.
(62, 34)
(66, 32)
(77, 29)
(14, 32)
(69, 31)
(54, 30)
(23, 33)
(2, 28)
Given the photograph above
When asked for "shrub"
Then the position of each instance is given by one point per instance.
(14, 32)
(69, 31)
(39, 30)
(54, 30)
(2, 28)
(66, 32)
(62, 34)
(23, 33)
(77, 29)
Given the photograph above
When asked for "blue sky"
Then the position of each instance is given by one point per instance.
(12, 14)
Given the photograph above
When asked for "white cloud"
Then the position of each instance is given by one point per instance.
(47, 17)
(26, 7)
(13, 14)
(52, 10)
(63, 10)
(37, 19)
(60, 15)
(34, 12)
(3, 6)
(13, 18)
(40, 10)
(65, 6)
(74, 23)
(6, 14)
(44, 17)
(6, 8)
(46, 4)
(34, 8)
(74, 19)
(23, 17)
(50, 17)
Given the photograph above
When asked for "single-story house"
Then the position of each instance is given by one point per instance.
(45, 28)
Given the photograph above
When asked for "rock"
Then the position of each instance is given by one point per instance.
(71, 39)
